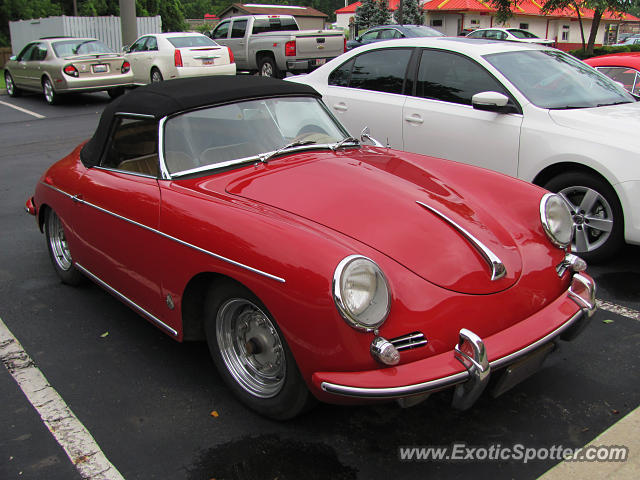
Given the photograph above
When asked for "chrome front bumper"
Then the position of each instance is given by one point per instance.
(471, 352)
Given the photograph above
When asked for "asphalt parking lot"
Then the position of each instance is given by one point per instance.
(158, 409)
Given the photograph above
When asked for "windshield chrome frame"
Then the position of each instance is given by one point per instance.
(166, 175)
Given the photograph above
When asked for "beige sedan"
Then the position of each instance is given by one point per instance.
(60, 65)
(163, 56)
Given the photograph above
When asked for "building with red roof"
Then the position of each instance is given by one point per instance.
(453, 16)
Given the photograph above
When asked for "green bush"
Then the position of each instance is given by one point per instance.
(604, 50)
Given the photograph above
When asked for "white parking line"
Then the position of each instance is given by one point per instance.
(73, 437)
(618, 309)
(23, 110)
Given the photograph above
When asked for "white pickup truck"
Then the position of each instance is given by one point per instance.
(274, 44)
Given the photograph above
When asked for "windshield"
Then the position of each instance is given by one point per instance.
(521, 33)
(555, 80)
(191, 41)
(422, 31)
(80, 47)
(225, 135)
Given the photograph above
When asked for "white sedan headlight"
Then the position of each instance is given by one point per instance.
(361, 292)
(556, 219)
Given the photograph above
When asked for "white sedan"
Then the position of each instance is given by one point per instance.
(162, 56)
(528, 111)
(509, 35)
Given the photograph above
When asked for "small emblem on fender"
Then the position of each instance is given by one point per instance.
(170, 303)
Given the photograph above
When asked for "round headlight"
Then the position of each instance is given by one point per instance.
(361, 293)
(556, 219)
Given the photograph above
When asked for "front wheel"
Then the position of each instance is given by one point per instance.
(267, 68)
(598, 222)
(59, 250)
(251, 354)
(12, 90)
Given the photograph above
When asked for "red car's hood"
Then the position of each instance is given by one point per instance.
(376, 203)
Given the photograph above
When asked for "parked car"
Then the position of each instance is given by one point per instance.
(623, 68)
(163, 56)
(509, 35)
(632, 40)
(531, 112)
(59, 65)
(273, 45)
(238, 210)
(390, 32)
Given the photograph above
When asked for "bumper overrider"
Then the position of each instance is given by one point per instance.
(469, 366)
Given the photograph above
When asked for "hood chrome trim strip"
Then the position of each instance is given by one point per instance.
(498, 270)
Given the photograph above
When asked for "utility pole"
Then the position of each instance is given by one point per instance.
(128, 23)
(400, 17)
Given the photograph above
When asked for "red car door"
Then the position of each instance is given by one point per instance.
(118, 216)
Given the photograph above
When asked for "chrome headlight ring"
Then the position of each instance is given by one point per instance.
(556, 220)
(361, 293)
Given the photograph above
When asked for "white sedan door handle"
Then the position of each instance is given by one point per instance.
(342, 107)
(417, 119)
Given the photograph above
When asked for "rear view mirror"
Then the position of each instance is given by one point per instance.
(492, 102)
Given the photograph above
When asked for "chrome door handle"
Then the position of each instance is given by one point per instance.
(417, 119)
(340, 107)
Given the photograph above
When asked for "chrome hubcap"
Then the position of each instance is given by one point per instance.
(267, 71)
(58, 243)
(48, 91)
(8, 81)
(592, 217)
(251, 348)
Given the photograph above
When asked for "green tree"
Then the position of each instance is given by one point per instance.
(366, 14)
(411, 13)
(12, 10)
(382, 15)
(599, 7)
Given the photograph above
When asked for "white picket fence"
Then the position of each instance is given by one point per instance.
(106, 29)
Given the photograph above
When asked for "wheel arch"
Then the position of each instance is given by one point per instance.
(552, 170)
(194, 300)
(42, 215)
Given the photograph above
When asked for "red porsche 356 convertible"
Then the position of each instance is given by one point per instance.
(316, 266)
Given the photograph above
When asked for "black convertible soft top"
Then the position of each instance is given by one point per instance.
(166, 98)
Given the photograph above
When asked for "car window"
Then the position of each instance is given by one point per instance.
(133, 147)
(236, 133)
(370, 36)
(521, 33)
(556, 80)
(222, 30)
(138, 45)
(191, 41)
(25, 53)
(628, 77)
(379, 70)
(453, 78)
(387, 33)
(238, 28)
(274, 24)
(422, 31)
(152, 44)
(479, 34)
(39, 53)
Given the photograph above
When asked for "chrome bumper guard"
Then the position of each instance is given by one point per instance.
(471, 352)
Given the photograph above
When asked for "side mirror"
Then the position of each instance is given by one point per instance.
(366, 135)
(13, 57)
(492, 102)
(125, 49)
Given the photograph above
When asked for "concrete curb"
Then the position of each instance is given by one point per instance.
(622, 433)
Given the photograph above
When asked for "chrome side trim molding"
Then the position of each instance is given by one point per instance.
(125, 299)
(76, 198)
(444, 382)
(498, 270)
(142, 116)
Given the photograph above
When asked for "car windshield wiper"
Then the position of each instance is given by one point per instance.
(568, 107)
(341, 143)
(614, 103)
(265, 157)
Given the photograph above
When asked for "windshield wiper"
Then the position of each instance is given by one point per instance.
(568, 107)
(343, 141)
(266, 156)
(614, 103)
